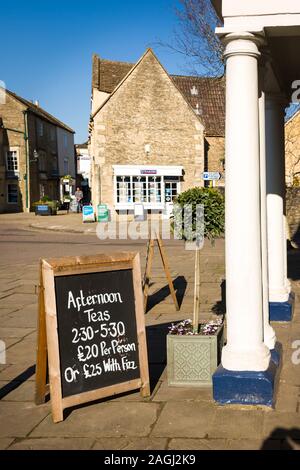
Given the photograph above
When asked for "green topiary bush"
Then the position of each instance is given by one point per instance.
(214, 209)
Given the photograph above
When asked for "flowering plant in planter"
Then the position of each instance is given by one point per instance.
(193, 356)
(186, 328)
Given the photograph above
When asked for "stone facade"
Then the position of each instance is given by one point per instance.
(292, 150)
(11, 115)
(44, 178)
(29, 131)
(145, 109)
(215, 157)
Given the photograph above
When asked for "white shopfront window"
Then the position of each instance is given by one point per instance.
(153, 187)
(12, 162)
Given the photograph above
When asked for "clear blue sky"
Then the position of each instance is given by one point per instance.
(47, 47)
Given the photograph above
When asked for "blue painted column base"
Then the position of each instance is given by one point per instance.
(282, 311)
(248, 387)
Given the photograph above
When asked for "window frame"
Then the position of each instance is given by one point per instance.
(40, 128)
(7, 194)
(16, 173)
(157, 185)
(172, 180)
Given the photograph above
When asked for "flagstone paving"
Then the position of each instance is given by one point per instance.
(172, 418)
(53, 443)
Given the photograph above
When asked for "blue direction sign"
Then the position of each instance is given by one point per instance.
(211, 176)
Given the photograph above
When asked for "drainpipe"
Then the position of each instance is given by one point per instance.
(27, 160)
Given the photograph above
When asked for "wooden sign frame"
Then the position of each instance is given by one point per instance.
(48, 342)
(148, 270)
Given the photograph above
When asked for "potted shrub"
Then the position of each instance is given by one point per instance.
(193, 349)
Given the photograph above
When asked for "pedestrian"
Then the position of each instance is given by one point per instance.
(79, 197)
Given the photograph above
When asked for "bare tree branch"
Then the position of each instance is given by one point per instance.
(195, 38)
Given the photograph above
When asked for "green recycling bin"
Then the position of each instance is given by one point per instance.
(103, 213)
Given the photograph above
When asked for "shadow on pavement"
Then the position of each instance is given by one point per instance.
(283, 439)
(17, 381)
(180, 285)
(157, 351)
(220, 307)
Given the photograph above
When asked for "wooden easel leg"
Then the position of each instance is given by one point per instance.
(57, 412)
(41, 359)
(145, 390)
(167, 271)
(150, 253)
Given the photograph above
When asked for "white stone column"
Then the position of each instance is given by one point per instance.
(269, 333)
(275, 150)
(245, 349)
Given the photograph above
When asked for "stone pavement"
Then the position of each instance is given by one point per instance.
(172, 418)
(63, 222)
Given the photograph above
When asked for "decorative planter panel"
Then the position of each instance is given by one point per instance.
(192, 360)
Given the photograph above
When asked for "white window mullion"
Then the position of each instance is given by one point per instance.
(131, 189)
(116, 190)
(163, 195)
(147, 189)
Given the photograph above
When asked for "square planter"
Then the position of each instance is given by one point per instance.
(192, 360)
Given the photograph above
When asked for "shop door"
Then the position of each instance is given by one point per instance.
(171, 192)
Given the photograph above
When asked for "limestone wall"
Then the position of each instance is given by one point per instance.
(147, 109)
(293, 210)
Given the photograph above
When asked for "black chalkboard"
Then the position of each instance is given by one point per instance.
(91, 330)
(97, 331)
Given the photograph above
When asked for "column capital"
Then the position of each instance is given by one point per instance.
(243, 43)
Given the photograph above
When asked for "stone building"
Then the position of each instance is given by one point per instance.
(32, 145)
(292, 150)
(152, 135)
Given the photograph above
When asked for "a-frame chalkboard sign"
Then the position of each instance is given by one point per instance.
(91, 333)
